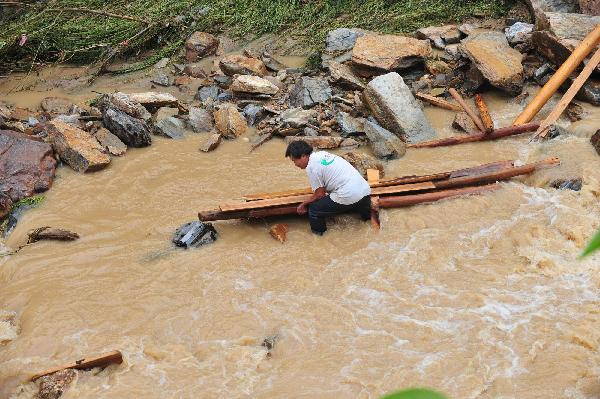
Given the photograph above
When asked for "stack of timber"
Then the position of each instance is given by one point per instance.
(391, 193)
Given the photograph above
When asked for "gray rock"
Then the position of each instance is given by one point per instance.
(70, 119)
(223, 81)
(199, 45)
(341, 40)
(253, 113)
(385, 144)
(225, 96)
(349, 125)
(194, 234)
(519, 32)
(163, 62)
(110, 142)
(132, 131)
(271, 63)
(162, 80)
(206, 92)
(452, 52)
(165, 112)
(344, 76)
(200, 120)
(307, 92)
(123, 103)
(310, 132)
(438, 43)
(211, 143)
(298, 117)
(574, 184)
(562, 6)
(595, 140)
(474, 79)
(170, 127)
(393, 105)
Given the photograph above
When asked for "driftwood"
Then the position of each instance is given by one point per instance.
(467, 109)
(438, 102)
(103, 360)
(49, 233)
(484, 112)
(577, 56)
(568, 96)
(478, 136)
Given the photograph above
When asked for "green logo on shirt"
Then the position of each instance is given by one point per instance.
(324, 162)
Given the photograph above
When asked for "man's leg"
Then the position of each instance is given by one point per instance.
(318, 210)
(363, 207)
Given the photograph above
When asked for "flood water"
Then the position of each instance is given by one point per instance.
(478, 297)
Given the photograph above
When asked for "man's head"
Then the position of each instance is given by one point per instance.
(299, 152)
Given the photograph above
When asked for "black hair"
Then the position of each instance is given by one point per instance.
(296, 149)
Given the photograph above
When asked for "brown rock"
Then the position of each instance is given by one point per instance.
(362, 162)
(124, 103)
(241, 65)
(52, 386)
(155, 100)
(499, 63)
(76, 147)
(229, 122)
(279, 232)
(463, 123)
(20, 114)
(199, 45)
(111, 143)
(253, 85)
(182, 80)
(344, 76)
(590, 7)
(194, 70)
(449, 33)
(388, 52)
(595, 140)
(211, 143)
(58, 106)
(325, 142)
(26, 167)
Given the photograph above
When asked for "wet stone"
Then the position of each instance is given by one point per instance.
(519, 32)
(162, 80)
(57, 106)
(307, 92)
(361, 162)
(253, 113)
(223, 81)
(131, 131)
(170, 127)
(574, 184)
(199, 45)
(194, 234)
(110, 142)
(279, 232)
(54, 385)
(463, 123)
(211, 143)
(200, 120)
(349, 125)
(194, 70)
(241, 65)
(206, 92)
(385, 144)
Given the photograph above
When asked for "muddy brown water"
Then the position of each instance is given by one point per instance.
(478, 297)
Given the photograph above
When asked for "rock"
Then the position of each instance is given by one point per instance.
(449, 34)
(574, 184)
(253, 85)
(298, 117)
(241, 65)
(344, 76)
(76, 147)
(279, 232)
(9, 327)
(170, 127)
(590, 7)
(253, 113)
(350, 126)
(165, 112)
(26, 167)
(595, 140)
(590, 92)
(163, 62)
(211, 143)
(388, 52)
(225, 96)
(72, 120)
(110, 142)
(162, 80)
(362, 162)
(558, 34)
(385, 144)
(131, 131)
(153, 100)
(499, 63)
(519, 32)
(223, 81)
(52, 386)
(182, 80)
(49, 233)
(57, 106)
(562, 6)
(325, 142)
(199, 45)
(307, 92)
(124, 103)
(341, 40)
(436, 67)
(555, 131)
(463, 123)
(393, 105)
(452, 52)
(194, 70)
(310, 132)
(200, 120)
(229, 122)
(574, 112)
(271, 63)
(195, 234)
(206, 92)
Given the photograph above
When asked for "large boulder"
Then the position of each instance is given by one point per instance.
(393, 105)
(229, 122)
(308, 92)
(385, 144)
(253, 85)
(385, 53)
(242, 65)
(200, 120)
(132, 131)
(26, 167)
(339, 44)
(199, 45)
(499, 63)
(76, 147)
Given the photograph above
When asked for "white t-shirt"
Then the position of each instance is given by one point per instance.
(343, 183)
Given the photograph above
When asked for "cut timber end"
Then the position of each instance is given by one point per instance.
(484, 112)
(114, 357)
(373, 178)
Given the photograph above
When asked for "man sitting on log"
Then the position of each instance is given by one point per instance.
(337, 187)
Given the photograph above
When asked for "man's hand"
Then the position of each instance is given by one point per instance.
(301, 209)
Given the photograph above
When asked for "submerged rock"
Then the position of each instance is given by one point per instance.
(393, 105)
(194, 70)
(58, 106)
(385, 53)
(385, 144)
(195, 234)
(49, 233)
(9, 327)
(279, 232)
(463, 123)
(595, 140)
(52, 386)
(307, 92)
(132, 131)
(574, 184)
(170, 127)
(199, 45)
(110, 142)
(76, 147)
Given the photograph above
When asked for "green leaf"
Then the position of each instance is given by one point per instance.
(415, 393)
(592, 246)
(2, 44)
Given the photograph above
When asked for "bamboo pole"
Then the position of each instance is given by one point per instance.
(467, 109)
(478, 136)
(484, 113)
(577, 56)
(438, 102)
(568, 96)
(408, 200)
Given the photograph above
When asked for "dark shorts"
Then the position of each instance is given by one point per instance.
(320, 209)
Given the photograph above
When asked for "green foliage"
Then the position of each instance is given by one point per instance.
(592, 246)
(415, 393)
(55, 33)
(31, 202)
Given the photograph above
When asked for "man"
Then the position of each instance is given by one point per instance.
(337, 186)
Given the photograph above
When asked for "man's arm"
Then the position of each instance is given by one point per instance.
(316, 195)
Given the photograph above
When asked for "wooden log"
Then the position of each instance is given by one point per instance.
(373, 178)
(577, 56)
(438, 102)
(467, 109)
(484, 112)
(103, 360)
(478, 136)
(414, 199)
(568, 96)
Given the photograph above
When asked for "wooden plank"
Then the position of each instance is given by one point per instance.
(373, 178)
(568, 96)
(414, 199)
(86, 363)
(467, 109)
(438, 102)
(484, 112)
